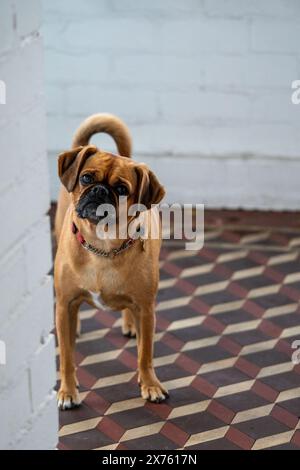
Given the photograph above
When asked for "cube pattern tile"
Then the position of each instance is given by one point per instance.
(226, 320)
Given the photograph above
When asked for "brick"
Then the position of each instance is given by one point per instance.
(63, 67)
(37, 251)
(55, 99)
(26, 315)
(26, 329)
(24, 209)
(7, 26)
(23, 62)
(242, 8)
(160, 70)
(13, 282)
(28, 16)
(10, 149)
(264, 71)
(42, 379)
(203, 106)
(79, 9)
(111, 34)
(32, 150)
(275, 36)
(41, 431)
(204, 35)
(131, 105)
(156, 6)
(14, 409)
(274, 107)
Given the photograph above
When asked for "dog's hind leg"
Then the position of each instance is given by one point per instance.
(128, 325)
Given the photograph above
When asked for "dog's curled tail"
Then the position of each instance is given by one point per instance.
(109, 124)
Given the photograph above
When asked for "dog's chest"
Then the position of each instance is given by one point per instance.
(106, 290)
(98, 301)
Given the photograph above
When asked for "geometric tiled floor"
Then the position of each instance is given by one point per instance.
(226, 319)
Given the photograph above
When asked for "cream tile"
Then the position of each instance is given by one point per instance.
(79, 426)
(142, 431)
(186, 323)
(179, 302)
(234, 388)
(274, 440)
(113, 380)
(189, 409)
(207, 436)
(101, 357)
(253, 413)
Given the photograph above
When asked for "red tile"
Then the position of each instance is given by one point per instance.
(285, 347)
(121, 447)
(237, 290)
(184, 286)
(162, 409)
(161, 323)
(296, 438)
(172, 342)
(78, 357)
(85, 378)
(187, 364)
(264, 391)
(291, 292)
(270, 328)
(204, 387)
(213, 324)
(199, 306)
(105, 318)
(174, 433)
(96, 403)
(276, 276)
(253, 308)
(284, 416)
(239, 438)
(172, 269)
(221, 411)
(128, 359)
(230, 345)
(110, 428)
(117, 340)
(247, 367)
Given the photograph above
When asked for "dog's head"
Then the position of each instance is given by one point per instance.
(94, 178)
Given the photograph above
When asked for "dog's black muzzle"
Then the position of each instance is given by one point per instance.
(90, 201)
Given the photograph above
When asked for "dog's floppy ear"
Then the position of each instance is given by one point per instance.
(70, 164)
(149, 190)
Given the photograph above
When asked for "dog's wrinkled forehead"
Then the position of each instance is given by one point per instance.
(112, 169)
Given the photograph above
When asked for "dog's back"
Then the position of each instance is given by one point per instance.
(94, 124)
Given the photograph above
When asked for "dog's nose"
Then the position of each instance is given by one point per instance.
(99, 191)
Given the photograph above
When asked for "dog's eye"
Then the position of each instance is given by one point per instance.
(86, 179)
(121, 190)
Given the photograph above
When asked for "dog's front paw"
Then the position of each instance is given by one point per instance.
(67, 399)
(154, 393)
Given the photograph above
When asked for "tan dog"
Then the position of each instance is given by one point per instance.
(115, 273)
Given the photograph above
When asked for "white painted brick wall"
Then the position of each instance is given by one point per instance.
(27, 405)
(201, 80)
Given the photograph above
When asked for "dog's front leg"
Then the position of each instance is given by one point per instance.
(151, 388)
(66, 320)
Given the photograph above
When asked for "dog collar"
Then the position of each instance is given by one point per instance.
(106, 254)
